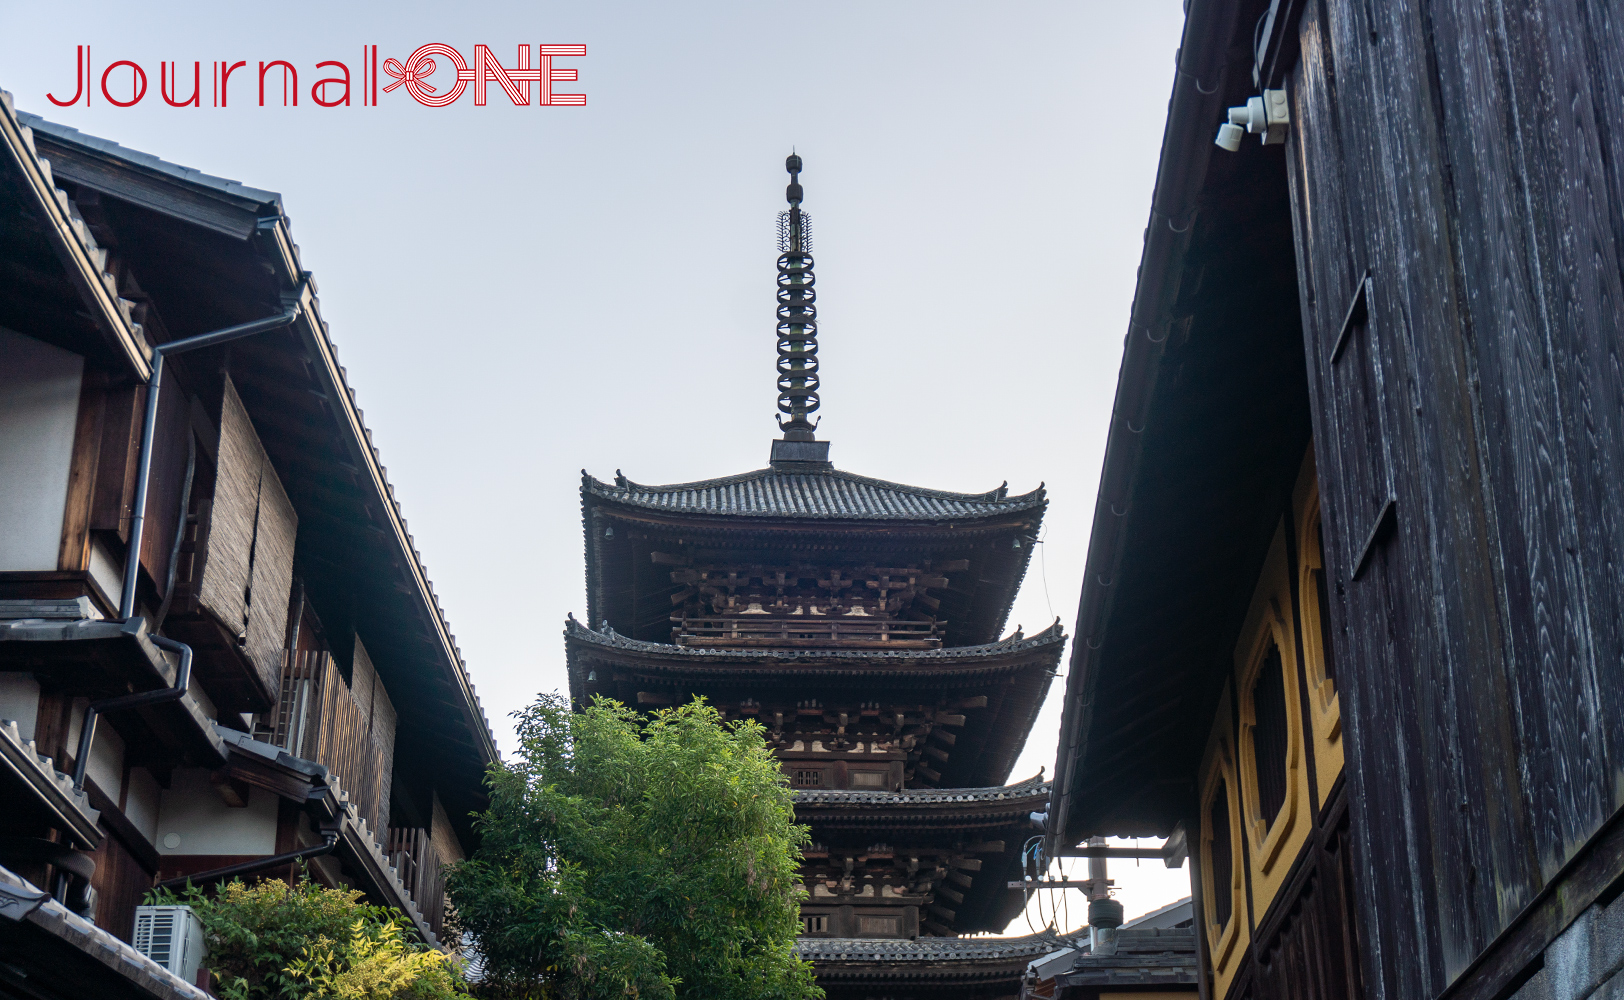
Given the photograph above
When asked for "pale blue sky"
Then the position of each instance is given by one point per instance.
(522, 292)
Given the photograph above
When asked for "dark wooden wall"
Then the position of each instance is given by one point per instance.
(1467, 154)
(1307, 947)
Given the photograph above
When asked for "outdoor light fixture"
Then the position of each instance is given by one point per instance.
(1265, 116)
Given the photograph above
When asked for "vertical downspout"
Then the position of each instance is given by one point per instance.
(132, 555)
(143, 476)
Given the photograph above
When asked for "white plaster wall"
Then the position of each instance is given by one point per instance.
(106, 572)
(39, 405)
(106, 760)
(141, 803)
(192, 810)
(19, 701)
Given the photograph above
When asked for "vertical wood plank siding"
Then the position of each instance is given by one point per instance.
(246, 535)
(223, 590)
(334, 731)
(1309, 950)
(270, 575)
(1467, 155)
(418, 863)
(120, 882)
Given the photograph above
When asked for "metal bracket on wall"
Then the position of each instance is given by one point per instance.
(1386, 521)
(1358, 315)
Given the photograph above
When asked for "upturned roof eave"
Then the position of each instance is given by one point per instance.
(927, 801)
(631, 496)
(1009, 653)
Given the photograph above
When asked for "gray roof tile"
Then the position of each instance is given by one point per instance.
(1031, 787)
(828, 494)
(191, 175)
(925, 949)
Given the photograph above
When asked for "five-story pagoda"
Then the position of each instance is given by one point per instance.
(858, 620)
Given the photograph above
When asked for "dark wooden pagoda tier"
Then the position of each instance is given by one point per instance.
(802, 554)
(931, 861)
(926, 969)
(879, 719)
(859, 622)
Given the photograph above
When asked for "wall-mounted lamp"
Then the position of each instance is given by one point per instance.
(1266, 116)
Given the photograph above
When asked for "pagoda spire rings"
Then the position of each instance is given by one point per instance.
(797, 315)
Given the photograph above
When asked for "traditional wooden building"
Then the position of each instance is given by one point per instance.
(1352, 619)
(1152, 954)
(219, 650)
(859, 621)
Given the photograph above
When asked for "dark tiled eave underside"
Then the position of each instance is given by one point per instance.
(1007, 654)
(826, 495)
(925, 799)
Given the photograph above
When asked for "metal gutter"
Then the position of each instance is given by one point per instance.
(78, 253)
(198, 730)
(1195, 106)
(141, 699)
(328, 843)
(335, 817)
(138, 517)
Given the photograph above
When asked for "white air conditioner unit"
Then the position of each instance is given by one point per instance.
(172, 936)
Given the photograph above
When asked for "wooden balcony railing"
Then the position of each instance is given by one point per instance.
(417, 863)
(849, 632)
(318, 719)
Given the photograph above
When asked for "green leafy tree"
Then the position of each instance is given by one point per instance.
(631, 856)
(275, 941)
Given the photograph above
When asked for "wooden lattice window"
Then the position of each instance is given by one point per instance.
(1270, 734)
(808, 779)
(1220, 856)
(814, 924)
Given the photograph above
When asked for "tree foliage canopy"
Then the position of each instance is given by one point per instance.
(632, 856)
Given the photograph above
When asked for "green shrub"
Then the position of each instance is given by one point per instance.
(273, 941)
(631, 857)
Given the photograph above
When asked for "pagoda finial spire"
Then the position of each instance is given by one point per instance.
(797, 315)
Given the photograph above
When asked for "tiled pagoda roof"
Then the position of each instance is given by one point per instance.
(822, 494)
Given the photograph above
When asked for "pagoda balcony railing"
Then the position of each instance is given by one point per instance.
(844, 631)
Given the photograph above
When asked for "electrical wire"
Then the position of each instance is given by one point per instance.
(1043, 570)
